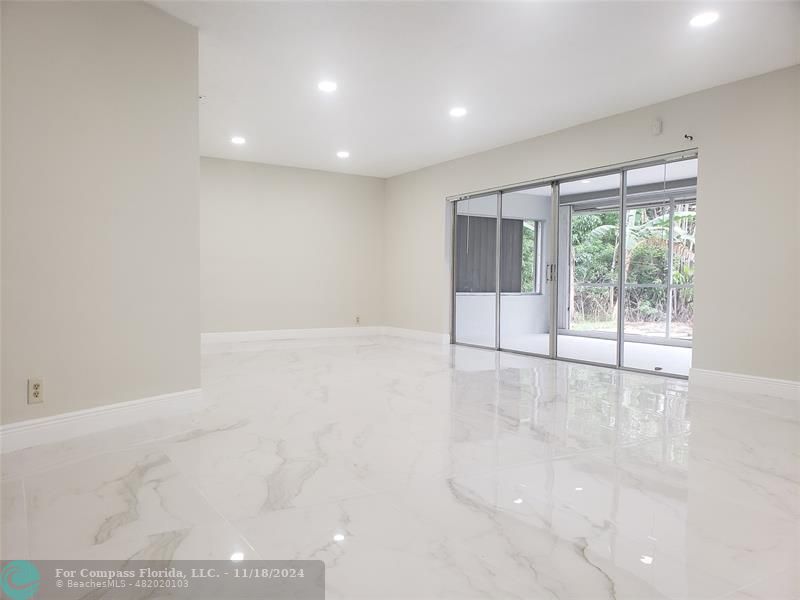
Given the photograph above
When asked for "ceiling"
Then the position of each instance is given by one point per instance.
(521, 70)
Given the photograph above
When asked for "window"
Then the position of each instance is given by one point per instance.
(475, 254)
(520, 252)
(531, 234)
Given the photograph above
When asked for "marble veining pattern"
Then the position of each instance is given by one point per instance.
(420, 471)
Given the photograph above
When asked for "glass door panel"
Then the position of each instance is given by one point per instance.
(588, 270)
(682, 306)
(659, 252)
(524, 261)
(646, 312)
(682, 314)
(475, 246)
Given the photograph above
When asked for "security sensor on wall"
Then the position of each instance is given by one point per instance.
(657, 126)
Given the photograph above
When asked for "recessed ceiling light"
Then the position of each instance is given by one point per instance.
(518, 501)
(704, 19)
(458, 111)
(343, 154)
(237, 556)
(327, 86)
(646, 559)
(238, 140)
(338, 537)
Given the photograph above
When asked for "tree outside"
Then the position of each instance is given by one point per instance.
(649, 293)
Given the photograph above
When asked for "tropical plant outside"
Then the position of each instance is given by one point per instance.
(596, 262)
(529, 242)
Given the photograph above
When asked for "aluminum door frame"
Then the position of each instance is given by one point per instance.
(555, 182)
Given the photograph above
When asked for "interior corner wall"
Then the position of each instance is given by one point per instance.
(288, 248)
(1, 217)
(747, 314)
(99, 212)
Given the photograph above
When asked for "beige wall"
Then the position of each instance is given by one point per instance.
(747, 311)
(99, 204)
(286, 248)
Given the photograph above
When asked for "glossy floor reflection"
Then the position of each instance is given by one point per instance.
(422, 471)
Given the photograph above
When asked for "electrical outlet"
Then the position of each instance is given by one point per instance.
(358, 320)
(35, 391)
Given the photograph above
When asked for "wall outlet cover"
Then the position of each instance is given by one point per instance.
(35, 390)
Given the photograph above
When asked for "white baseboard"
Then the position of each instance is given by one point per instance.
(287, 334)
(321, 332)
(48, 430)
(746, 384)
(415, 334)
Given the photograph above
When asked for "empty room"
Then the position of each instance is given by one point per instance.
(403, 300)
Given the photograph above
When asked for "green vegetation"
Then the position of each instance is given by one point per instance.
(529, 243)
(596, 261)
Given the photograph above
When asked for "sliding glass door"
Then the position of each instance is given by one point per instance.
(590, 246)
(660, 205)
(475, 271)
(596, 269)
(526, 268)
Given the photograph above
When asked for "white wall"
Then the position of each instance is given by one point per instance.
(520, 315)
(287, 248)
(99, 204)
(475, 318)
(747, 314)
